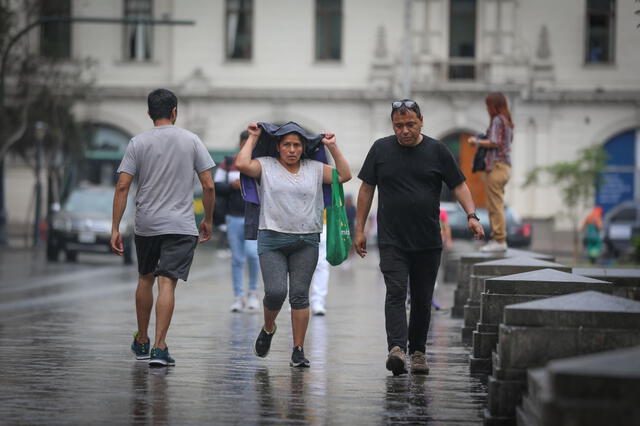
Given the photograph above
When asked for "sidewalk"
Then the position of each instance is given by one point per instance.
(66, 357)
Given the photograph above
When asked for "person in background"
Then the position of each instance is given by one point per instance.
(227, 181)
(592, 229)
(351, 218)
(320, 280)
(497, 166)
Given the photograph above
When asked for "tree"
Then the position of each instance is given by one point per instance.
(577, 181)
(37, 88)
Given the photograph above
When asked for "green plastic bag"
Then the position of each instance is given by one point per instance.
(338, 233)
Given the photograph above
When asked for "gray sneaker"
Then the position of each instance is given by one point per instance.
(419, 363)
(396, 361)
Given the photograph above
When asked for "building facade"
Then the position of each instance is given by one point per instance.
(570, 70)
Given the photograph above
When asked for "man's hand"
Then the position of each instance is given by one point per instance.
(205, 231)
(476, 228)
(116, 243)
(329, 139)
(254, 129)
(472, 140)
(235, 184)
(360, 244)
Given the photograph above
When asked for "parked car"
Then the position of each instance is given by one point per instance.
(518, 233)
(83, 224)
(621, 225)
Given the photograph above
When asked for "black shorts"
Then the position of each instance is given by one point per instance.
(168, 255)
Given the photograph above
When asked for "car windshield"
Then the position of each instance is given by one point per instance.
(90, 201)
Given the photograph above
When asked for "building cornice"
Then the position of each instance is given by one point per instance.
(244, 94)
(352, 95)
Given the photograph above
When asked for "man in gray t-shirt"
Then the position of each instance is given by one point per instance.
(163, 161)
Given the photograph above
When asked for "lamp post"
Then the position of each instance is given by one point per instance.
(5, 56)
(40, 132)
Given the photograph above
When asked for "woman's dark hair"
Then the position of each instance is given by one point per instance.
(302, 139)
(497, 106)
(161, 102)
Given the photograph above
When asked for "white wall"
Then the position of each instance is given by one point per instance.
(283, 81)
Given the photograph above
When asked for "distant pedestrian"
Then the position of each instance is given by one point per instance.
(409, 168)
(497, 166)
(291, 207)
(164, 161)
(320, 279)
(351, 218)
(227, 181)
(592, 228)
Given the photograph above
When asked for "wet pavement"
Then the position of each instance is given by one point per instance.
(65, 331)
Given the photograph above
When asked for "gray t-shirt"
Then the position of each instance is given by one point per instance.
(291, 202)
(164, 161)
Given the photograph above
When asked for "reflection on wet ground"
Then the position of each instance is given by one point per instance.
(65, 332)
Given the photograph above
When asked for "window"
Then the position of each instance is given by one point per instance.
(138, 36)
(239, 27)
(462, 39)
(328, 29)
(600, 31)
(55, 37)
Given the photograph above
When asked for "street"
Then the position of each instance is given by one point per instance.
(65, 333)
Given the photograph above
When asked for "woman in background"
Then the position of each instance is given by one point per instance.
(497, 166)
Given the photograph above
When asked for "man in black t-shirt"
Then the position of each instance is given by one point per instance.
(408, 168)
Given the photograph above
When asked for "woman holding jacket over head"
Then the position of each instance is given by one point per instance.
(497, 166)
(291, 209)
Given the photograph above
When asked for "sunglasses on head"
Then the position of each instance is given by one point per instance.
(397, 104)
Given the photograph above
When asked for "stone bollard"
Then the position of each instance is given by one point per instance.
(534, 333)
(626, 282)
(466, 262)
(496, 268)
(591, 390)
(507, 290)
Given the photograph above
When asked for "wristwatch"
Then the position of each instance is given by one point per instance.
(473, 216)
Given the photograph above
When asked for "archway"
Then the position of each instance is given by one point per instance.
(621, 178)
(463, 153)
(105, 148)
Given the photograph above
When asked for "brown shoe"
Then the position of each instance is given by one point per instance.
(419, 363)
(396, 361)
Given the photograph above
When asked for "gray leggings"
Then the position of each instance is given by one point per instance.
(299, 261)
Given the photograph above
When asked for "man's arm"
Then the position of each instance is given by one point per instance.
(363, 206)
(119, 206)
(208, 201)
(465, 199)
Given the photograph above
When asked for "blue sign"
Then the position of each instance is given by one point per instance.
(615, 188)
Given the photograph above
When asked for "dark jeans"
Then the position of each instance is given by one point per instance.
(419, 270)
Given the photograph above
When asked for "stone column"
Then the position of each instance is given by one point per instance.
(496, 268)
(502, 291)
(534, 333)
(626, 282)
(589, 390)
(466, 262)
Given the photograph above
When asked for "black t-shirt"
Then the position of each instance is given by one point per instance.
(409, 181)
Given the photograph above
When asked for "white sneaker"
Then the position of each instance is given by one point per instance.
(253, 302)
(238, 305)
(493, 246)
(318, 310)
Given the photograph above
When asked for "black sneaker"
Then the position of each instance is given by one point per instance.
(298, 359)
(141, 350)
(263, 342)
(161, 358)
